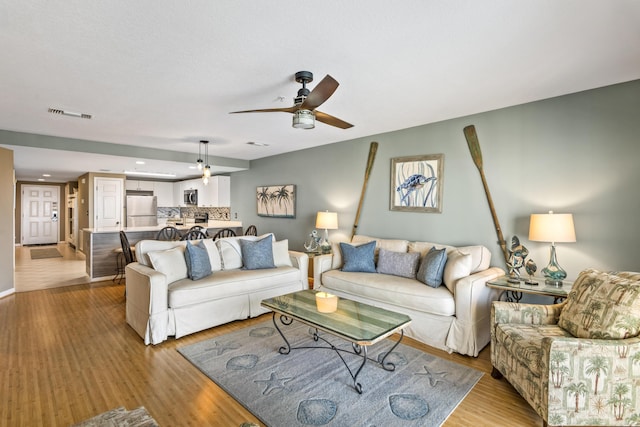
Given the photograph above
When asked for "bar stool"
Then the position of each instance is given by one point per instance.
(125, 255)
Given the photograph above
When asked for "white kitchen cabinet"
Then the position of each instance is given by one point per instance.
(164, 194)
(217, 193)
(178, 194)
(180, 186)
(136, 185)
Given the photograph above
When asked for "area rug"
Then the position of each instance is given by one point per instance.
(312, 387)
(120, 417)
(43, 253)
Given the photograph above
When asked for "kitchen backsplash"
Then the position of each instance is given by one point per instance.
(223, 214)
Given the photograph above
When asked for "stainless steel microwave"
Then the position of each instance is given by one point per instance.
(191, 197)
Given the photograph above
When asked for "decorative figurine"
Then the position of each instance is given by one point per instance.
(530, 267)
(312, 243)
(517, 255)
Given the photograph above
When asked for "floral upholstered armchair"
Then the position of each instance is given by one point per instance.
(578, 362)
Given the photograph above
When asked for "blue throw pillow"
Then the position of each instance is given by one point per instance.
(197, 259)
(257, 254)
(432, 267)
(358, 258)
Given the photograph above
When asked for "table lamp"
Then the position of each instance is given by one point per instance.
(554, 228)
(328, 221)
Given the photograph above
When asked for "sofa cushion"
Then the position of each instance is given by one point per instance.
(403, 264)
(432, 267)
(257, 254)
(196, 257)
(358, 258)
(230, 283)
(480, 256)
(458, 266)
(396, 245)
(143, 247)
(170, 262)
(524, 342)
(602, 305)
(400, 291)
(281, 256)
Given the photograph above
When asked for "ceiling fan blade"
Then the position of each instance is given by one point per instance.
(330, 120)
(320, 93)
(269, 110)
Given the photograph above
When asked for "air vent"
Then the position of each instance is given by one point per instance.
(69, 113)
(258, 144)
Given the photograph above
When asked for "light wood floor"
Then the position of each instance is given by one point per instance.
(67, 354)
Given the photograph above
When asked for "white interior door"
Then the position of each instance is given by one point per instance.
(108, 202)
(40, 214)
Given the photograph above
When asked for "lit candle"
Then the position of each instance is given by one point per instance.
(326, 302)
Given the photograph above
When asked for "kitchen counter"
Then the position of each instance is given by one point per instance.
(217, 224)
(100, 244)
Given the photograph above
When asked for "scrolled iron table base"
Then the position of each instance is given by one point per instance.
(357, 349)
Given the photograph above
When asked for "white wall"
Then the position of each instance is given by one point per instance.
(577, 153)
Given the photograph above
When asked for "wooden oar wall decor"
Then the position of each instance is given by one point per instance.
(372, 155)
(476, 155)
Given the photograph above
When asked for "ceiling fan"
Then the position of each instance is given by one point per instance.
(305, 104)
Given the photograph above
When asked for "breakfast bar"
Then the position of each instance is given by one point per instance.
(99, 244)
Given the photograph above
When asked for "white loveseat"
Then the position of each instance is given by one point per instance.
(167, 303)
(454, 317)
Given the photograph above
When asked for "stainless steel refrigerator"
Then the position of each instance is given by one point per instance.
(142, 211)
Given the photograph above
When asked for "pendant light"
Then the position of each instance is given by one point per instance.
(206, 172)
(200, 161)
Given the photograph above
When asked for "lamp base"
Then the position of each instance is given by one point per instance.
(553, 282)
(553, 273)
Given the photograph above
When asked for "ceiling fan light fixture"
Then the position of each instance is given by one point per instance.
(304, 119)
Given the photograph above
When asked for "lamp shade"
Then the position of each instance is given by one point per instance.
(552, 228)
(327, 220)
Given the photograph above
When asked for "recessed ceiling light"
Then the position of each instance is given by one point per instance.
(160, 174)
(258, 144)
(139, 162)
(46, 175)
(193, 167)
(40, 179)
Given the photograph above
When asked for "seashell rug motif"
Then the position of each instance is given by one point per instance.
(312, 386)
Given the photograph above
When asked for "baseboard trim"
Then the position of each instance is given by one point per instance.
(7, 292)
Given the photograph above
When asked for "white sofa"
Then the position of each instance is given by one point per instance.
(454, 317)
(167, 303)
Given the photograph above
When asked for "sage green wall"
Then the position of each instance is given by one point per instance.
(7, 252)
(577, 153)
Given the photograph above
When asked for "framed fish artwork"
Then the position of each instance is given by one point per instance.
(416, 183)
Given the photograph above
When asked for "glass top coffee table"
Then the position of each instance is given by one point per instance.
(360, 324)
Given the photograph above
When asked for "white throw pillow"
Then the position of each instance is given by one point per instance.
(458, 266)
(171, 263)
(230, 253)
(281, 254)
(214, 255)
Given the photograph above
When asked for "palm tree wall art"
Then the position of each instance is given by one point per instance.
(276, 201)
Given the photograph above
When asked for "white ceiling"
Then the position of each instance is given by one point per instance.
(164, 74)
